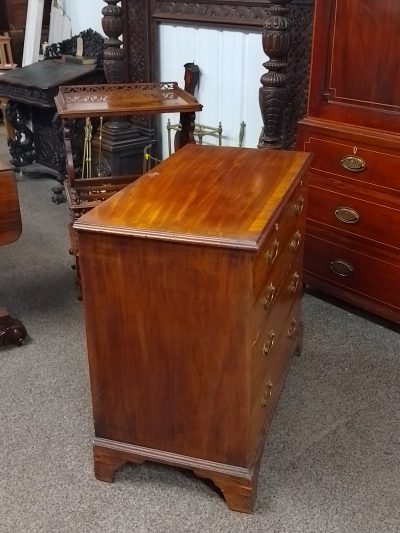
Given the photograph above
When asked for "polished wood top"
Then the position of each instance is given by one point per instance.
(205, 194)
(124, 99)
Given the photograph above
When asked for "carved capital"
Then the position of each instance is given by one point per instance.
(113, 53)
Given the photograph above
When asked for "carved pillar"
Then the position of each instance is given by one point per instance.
(123, 140)
(113, 53)
(272, 95)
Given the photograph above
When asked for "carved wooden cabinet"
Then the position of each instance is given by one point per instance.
(353, 129)
(192, 283)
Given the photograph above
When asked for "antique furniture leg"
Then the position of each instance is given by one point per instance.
(12, 331)
(238, 485)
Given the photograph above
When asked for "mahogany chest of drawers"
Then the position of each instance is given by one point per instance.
(352, 248)
(191, 283)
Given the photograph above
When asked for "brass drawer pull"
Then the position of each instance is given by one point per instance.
(294, 283)
(268, 344)
(353, 163)
(267, 394)
(299, 205)
(340, 267)
(272, 252)
(292, 329)
(269, 296)
(347, 215)
(295, 242)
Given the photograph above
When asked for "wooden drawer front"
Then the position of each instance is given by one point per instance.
(268, 378)
(359, 273)
(287, 237)
(381, 168)
(365, 219)
(266, 346)
(276, 299)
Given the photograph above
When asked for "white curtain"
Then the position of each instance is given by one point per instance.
(60, 21)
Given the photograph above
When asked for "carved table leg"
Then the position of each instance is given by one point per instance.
(12, 331)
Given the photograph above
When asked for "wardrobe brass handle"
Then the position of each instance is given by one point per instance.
(272, 252)
(295, 242)
(268, 344)
(340, 267)
(269, 296)
(347, 215)
(353, 163)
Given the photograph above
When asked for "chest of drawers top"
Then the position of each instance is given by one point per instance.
(219, 196)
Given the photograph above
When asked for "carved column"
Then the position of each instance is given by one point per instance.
(113, 53)
(273, 93)
(123, 141)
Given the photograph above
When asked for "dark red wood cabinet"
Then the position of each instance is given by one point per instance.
(352, 127)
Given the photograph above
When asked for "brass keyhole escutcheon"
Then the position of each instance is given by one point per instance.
(268, 344)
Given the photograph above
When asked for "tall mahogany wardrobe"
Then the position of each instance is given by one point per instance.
(352, 127)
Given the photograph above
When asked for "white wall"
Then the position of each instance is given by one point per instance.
(85, 14)
(230, 63)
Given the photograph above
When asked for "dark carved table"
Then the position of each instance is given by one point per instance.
(31, 111)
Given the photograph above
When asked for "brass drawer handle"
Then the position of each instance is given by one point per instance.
(347, 215)
(295, 242)
(353, 163)
(269, 296)
(268, 344)
(272, 252)
(267, 394)
(299, 205)
(292, 329)
(294, 283)
(340, 267)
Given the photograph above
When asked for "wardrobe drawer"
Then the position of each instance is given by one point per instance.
(354, 215)
(356, 272)
(358, 162)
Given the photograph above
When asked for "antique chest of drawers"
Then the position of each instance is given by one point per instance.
(352, 248)
(192, 279)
